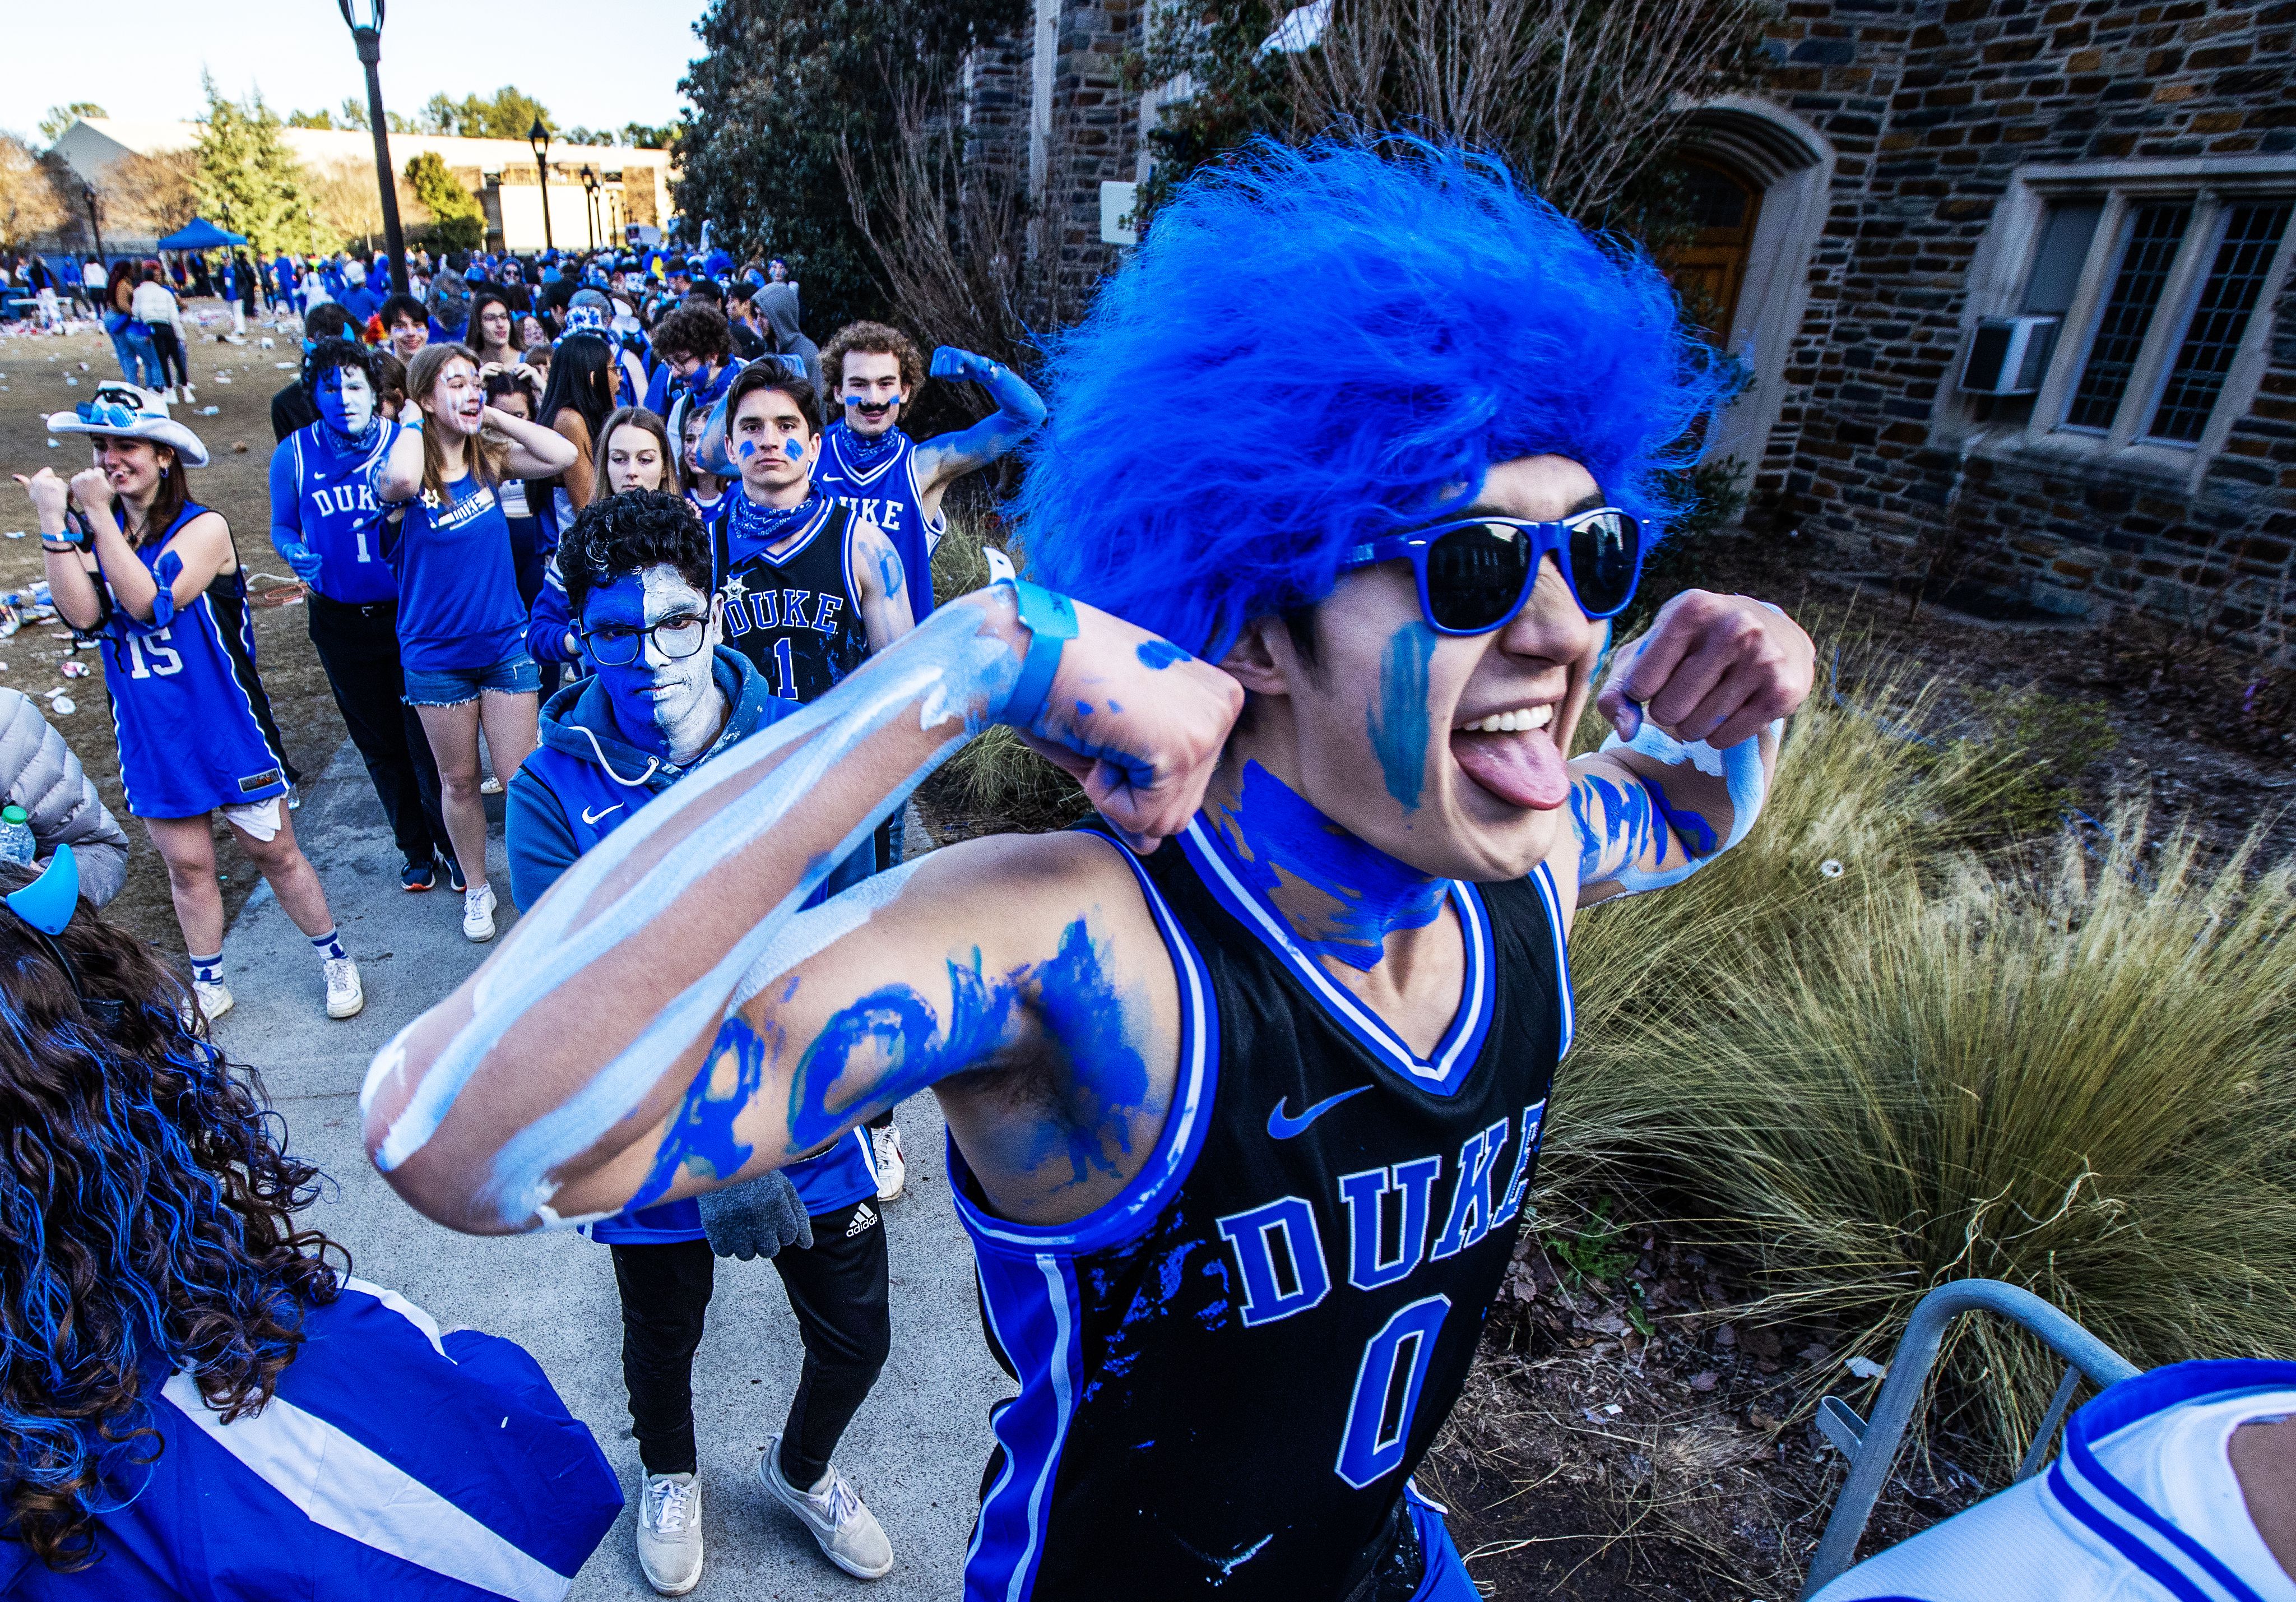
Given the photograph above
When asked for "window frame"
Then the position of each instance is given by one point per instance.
(2212, 187)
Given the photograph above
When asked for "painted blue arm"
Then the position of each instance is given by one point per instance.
(1019, 412)
(1658, 810)
(287, 516)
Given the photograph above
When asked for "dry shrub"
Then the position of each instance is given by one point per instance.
(1938, 1063)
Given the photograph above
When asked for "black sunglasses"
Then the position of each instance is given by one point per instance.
(1474, 573)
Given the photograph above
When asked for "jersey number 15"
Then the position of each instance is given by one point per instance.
(165, 659)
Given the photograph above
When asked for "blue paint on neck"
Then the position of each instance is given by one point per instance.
(1341, 896)
(1397, 721)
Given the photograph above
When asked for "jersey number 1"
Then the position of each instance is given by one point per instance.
(165, 659)
(783, 661)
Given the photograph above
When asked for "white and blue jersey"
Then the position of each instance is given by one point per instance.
(194, 727)
(882, 486)
(392, 1461)
(1229, 1373)
(583, 781)
(322, 493)
(2142, 1505)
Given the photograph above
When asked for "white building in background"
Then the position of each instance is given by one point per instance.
(629, 186)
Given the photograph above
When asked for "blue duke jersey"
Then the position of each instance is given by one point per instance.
(325, 498)
(796, 617)
(1228, 1374)
(885, 492)
(194, 727)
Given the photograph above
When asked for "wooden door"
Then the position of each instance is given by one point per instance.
(1710, 267)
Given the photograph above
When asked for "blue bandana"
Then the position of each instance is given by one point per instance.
(757, 526)
(865, 453)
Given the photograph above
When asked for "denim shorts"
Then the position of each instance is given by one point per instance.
(514, 675)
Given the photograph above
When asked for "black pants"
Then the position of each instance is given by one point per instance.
(358, 647)
(171, 353)
(837, 1290)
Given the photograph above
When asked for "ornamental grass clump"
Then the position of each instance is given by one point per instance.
(2074, 1070)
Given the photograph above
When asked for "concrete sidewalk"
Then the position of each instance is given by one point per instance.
(917, 1448)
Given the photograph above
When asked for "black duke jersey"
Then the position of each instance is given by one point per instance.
(797, 616)
(1228, 1373)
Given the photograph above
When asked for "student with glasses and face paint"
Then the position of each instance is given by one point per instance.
(632, 455)
(204, 1403)
(1318, 668)
(326, 523)
(665, 699)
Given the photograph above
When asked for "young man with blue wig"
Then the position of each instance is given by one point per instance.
(1242, 1127)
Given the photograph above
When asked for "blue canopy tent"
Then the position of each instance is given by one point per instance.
(200, 234)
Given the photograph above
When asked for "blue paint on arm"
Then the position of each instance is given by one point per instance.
(1020, 411)
(1160, 654)
(701, 1140)
(1397, 721)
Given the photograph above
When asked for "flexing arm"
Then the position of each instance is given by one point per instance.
(71, 569)
(884, 597)
(287, 516)
(945, 458)
(661, 1023)
(1721, 673)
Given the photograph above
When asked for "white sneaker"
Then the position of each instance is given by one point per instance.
(669, 1532)
(892, 1169)
(490, 785)
(849, 1534)
(345, 996)
(190, 398)
(214, 999)
(479, 912)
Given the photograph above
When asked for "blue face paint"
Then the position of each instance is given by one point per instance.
(1397, 721)
(795, 451)
(1341, 897)
(746, 449)
(892, 1043)
(661, 705)
(1160, 654)
(346, 400)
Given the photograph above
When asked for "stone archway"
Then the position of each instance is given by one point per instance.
(1756, 258)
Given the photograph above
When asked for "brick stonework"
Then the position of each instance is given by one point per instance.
(1931, 107)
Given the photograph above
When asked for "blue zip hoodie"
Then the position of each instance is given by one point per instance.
(584, 780)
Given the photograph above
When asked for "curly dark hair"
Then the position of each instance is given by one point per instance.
(324, 355)
(693, 331)
(875, 339)
(147, 1226)
(625, 533)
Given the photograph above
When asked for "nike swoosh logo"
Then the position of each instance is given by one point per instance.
(592, 818)
(1282, 1127)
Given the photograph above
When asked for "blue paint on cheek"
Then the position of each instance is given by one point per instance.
(701, 1141)
(1397, 722)
(795, 451)
(746, 449)
(1285, 843)
(1160, 654)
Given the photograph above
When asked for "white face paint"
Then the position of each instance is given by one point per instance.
(346, 399)
(676, 699)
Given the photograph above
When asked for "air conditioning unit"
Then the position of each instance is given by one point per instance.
(2009, 356)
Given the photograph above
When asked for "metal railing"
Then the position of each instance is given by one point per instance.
(1870, 1445)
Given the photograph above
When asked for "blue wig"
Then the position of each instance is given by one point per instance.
(1316, 347)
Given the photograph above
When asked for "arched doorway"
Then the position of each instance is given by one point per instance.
(1708, 268)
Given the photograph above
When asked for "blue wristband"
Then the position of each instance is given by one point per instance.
(1050, 619)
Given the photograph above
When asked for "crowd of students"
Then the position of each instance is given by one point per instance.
(1327, 652)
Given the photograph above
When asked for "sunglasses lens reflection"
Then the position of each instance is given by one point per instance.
(1475, 575)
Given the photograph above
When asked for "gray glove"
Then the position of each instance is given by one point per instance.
(756, 1218)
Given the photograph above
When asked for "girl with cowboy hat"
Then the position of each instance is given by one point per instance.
(133, 559)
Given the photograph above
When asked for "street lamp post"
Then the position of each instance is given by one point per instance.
(364, 19)
(94, 223)
(590, 204)
(538, 137)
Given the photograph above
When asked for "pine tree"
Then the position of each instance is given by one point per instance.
(457, 221)
(249, 181)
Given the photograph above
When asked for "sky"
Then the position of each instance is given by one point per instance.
(595, 63)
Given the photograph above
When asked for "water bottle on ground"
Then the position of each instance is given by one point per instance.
(16, 843)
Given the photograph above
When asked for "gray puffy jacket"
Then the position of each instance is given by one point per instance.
(40, 773)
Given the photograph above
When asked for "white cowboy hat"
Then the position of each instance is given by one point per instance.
(125, 412)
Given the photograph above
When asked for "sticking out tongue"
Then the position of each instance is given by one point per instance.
(1522, 768)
